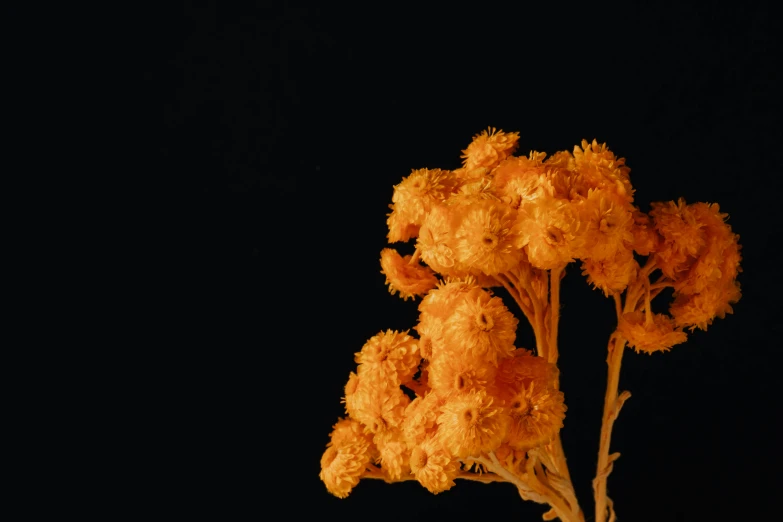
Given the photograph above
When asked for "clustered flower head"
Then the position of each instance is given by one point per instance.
(474, 390)
(422, 405)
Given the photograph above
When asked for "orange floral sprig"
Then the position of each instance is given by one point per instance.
(479, 407)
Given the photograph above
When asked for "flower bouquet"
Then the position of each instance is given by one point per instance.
(458, 399)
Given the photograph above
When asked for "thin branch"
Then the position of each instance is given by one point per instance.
(523, 281)
(554, 298)
(612, 405)
(516, 294)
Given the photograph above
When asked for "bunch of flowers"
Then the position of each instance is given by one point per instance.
(478, 407)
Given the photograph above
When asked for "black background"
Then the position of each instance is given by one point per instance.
(288, 127)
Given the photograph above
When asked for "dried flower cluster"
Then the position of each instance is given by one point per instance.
(478, 407)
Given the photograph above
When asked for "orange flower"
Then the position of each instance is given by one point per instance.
(656, 334)
(436, 242)
(394, 355)
(611, 275)
(471, 424)
(528, 386)
(375, 402)
(717, 262)
(683, 236)
(646, 240)
(409, 279)
(419, 192)
(433, 467)
(518, 169)
(482, 327)
(502, 220)
(520, 370)
(449, 373)
(420, 418)
(489, 148)
(342, 466)
(393, 453)
(609, 225)
(602, 169)
(550, 229)
(537, 414)
(698, 310)
(400, 228)
(488, 238)
(568, 184)
(347, 431)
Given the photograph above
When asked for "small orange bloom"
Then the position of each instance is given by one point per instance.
(656, 334)
(471, 424)
(409, 279)
(489, 148)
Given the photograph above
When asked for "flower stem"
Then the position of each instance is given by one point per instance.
(554, 297)
(612, 405)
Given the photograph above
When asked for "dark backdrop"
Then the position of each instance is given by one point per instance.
(288, 127)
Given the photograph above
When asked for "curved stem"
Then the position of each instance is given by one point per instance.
(612, 405)
(525, 490)
(523, 280)
(539, 482)
(486, 478)
(618, 306)
(657, 288)
(648, 315)
(516, 294)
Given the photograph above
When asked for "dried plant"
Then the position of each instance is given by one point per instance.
(484, 409)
